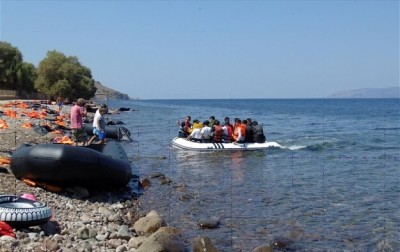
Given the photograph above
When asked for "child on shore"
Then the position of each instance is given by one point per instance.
(99, 124)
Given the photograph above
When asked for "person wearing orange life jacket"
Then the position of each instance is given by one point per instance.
(239, 133)
(218, 131)
(228, 130)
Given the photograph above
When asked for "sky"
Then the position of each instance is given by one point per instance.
(215, 49)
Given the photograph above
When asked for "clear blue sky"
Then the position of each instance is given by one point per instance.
(215, 49)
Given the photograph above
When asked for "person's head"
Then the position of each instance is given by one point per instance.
(248, 121)
(227, 119)
(254, 123)
(80, 102)
(104, 106)
(216, 122)
(237, 121)
(102, 110)
(206, 122)
(244, 121)
(196, 121)
(188, 118)
(212, 118)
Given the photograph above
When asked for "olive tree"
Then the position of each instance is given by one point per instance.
(64, 76)
(14, 73)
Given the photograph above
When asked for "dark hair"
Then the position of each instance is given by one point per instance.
(244, 121)
(217, 122)
(212, 117)
(206, 122)
(81, 102)
(254, 123)
(227, 118)
(248, 119)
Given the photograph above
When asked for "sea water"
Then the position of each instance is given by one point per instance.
(335, 185)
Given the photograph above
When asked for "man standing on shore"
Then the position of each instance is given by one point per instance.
(77, 113)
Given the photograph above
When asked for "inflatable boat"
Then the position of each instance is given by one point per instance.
(112, 131)
(94, 166)
(183, 143)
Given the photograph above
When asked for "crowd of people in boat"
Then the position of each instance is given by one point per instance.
(212, 130)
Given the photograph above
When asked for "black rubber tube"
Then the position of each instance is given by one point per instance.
(21, 212)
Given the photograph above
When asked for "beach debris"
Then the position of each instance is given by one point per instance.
(5, 160)
(52, 188)
(6, 229)
(3, 124)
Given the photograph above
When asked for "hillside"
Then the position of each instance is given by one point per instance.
(106, 93)
(390, 92)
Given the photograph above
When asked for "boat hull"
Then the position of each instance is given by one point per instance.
(59, 164)
(112, 131)
(182, 143)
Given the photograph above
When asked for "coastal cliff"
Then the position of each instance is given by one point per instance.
(106, 93)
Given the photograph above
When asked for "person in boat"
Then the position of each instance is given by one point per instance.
(258, 133)
(206, 132)
(212, 122)
(184, 127)
(99, 125)
(76, 119)
(196, 125)
(195, 134)
(249, 131)
(218, 131)
(239, 133)
(228, 130)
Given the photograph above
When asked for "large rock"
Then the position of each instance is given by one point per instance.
(264, 248)
(203, 244)
(149, 224)
(165, 239)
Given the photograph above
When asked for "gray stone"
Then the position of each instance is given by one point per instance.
(86, 233)
(121, 248)
(208, 224)
(265, 248)
(123, 233)
(164, 239)
(105, 212)
(85, 218)
(203, 244)
(135, 242)
(7, 238)
(78, 191)
(149, 224)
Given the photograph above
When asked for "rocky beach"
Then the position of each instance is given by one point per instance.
(81, 220)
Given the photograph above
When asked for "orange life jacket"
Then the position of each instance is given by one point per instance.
(242, 129)
(218, 133)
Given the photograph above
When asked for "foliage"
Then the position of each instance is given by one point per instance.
(14, 73)
(27, 75)
(59, 75)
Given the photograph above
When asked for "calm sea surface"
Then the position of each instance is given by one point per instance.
(335, 186)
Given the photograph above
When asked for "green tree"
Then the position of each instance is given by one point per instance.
(27, 75)
(64, 76)
(14, 73)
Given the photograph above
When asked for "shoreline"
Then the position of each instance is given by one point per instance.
(63, 226)
(82, 220)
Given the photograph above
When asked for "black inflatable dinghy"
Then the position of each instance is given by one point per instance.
(95, 166)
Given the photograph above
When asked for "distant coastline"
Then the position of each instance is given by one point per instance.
(390, 92)
(105, 93)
